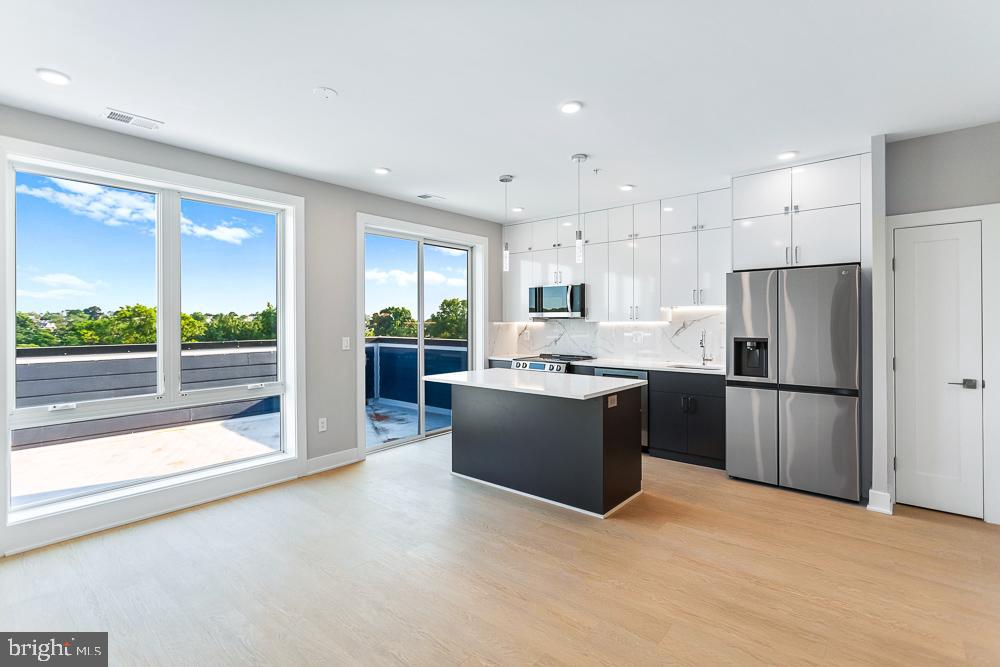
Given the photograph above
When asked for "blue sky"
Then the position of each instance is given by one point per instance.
(391, 274)
(80, 244)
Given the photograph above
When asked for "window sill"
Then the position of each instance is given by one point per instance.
(57, 507)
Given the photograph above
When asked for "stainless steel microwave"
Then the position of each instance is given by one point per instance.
(553, 301)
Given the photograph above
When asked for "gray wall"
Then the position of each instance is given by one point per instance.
(940, 171)
(330, 252)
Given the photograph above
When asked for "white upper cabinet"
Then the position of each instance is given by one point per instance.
(568, 271)
(679, 269)
(515, 287)
(762, 242)
(646, 220)
(544, 267)
(620, 223)
(595, 227)
(565, 231)
(518, 237)
(678, 214)
(768, 193)
(646, 279)
(714, 262)
(543, 234)
(620, 268)
(828, 183)
(827, 235)
(595, 271)
(715, 209)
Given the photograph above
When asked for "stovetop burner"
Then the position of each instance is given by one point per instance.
(550, 363)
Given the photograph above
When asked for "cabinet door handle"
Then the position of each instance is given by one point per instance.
(692, 405)
(796, 208)
(637, 312)
(788, 251)
(684, 404)
(701, 296)
(797, 260)
(786, 209)
(694, 227)
(694, 296)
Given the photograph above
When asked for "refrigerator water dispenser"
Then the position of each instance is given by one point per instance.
(750, 357)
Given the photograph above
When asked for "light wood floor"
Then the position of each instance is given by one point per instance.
(396, 561)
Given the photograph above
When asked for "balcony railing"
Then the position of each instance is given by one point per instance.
(391, 368)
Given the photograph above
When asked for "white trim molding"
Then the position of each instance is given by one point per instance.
(989, 215)
(880, 501)
(331, 461)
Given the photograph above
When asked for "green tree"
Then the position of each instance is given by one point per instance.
(265, 323)
(129, 325)
(450, 321)
(393, 321)
(229, 326)
(30, 332)
(192, 330)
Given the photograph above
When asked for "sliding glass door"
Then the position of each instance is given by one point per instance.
(416, 324)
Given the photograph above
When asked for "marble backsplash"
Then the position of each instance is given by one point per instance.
(676, 340)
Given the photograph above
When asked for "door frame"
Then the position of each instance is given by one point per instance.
(478, 307)
(989, 218)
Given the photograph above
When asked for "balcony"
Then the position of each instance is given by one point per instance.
(66, 460)
(392, 384)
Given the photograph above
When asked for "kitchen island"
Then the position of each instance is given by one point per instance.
(571, 440)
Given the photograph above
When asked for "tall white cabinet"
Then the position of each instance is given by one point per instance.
(804, 215)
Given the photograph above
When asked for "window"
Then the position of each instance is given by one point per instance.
(148, 328)
(229, 287)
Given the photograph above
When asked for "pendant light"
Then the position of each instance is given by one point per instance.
(579, 158)
(506, 179)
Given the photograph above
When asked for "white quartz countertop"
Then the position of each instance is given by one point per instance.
(638, 364)
(561, 385)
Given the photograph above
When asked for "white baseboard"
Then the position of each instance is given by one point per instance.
(879, 501)
(331, 461)
(551, 502)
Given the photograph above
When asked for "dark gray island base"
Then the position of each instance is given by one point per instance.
(581, 453)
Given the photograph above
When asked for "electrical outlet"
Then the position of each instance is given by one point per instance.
(322, 424)
(345, 343)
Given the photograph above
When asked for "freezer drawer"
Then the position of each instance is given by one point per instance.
(818, 443)
(818, 326)
(751, 433)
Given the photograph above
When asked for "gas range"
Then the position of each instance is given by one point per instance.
(550, 363)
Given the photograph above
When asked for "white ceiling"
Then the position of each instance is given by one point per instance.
(449, 95)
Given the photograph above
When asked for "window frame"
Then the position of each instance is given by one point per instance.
(59, 520)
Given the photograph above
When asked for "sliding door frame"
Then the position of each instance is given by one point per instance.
(476, 285)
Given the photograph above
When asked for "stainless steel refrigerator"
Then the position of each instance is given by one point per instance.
(792, 378)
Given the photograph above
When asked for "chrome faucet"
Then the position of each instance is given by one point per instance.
(705, 356)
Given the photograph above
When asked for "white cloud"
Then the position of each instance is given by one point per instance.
(61, 293)
(408, 278)
(67, 280)
(453, 252)
(226, 232)
(400, 278)
(112, 206)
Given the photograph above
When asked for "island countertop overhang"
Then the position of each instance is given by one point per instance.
(559, 385)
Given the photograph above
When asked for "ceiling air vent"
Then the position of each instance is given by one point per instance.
(429, 196)
(132, 119)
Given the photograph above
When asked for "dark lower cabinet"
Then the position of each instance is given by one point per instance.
(688, 422)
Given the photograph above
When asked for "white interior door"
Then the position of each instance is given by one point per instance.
(938, 347)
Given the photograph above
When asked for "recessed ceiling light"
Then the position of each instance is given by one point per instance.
(571, 107)
(52, 76)
(518, 209)
(626, 188)
(325, 92)
(668, 209)
(787, 155)
(382, 171)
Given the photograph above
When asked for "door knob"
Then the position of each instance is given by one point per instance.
(967, 383)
